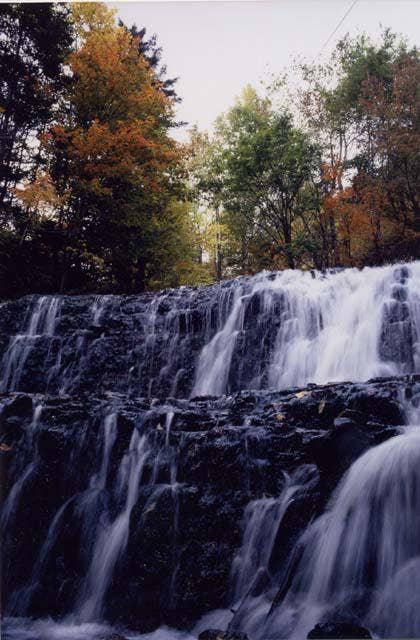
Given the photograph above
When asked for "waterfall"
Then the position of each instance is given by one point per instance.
(20, 600)
(23, 473)
(317, 328)
(104, 531)
(85, 501)
(262, 519)
(112, 538)
(98, 307)
(41, 323)
(272, 330)
(216, 357)
(361, 558)
(159, 502)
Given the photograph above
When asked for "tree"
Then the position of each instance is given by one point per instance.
(266, 162)
(111, 154)
(363, 107)
(35, 40)
(206, 185)
(102, 206)
(152, 52)
(393, 138)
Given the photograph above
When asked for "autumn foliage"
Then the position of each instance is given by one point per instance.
(109, 171)
(96, 195)
(352, 198)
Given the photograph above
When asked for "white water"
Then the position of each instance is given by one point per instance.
(215, 359)
(99, 305)
(112, 540)
(86, 502)
(361, 559)
(330, 327)
(47, 629)
(19, 600)
(112, 535)
(271, 330)
(23, 475)
(98, 481)
(262, 521)
(41, 323)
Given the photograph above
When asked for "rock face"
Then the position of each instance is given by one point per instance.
(198, 464)
(339, 630)
(214, 634)
(273, 330)
(168, 455)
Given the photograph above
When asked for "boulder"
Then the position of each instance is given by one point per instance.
(216, 634)
(339, 631)
(20, 405)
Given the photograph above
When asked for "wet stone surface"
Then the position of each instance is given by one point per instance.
(204, 461)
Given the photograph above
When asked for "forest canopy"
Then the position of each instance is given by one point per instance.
(97, 195)
(333, 180)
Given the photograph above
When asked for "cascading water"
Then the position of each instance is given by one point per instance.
(86, 503)
(272, 330)
(262, 521)
(319, 328)
(361, 559)
(42, 322)
(104, 511)
(26, 467)
(111, 540)
(158, 478)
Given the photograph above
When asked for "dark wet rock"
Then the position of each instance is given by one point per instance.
(399, 292)
(132, 360)
(215, 634)
(206, 463)
(149, 344)
(20, 405)
(343, 445)
(357, 417)
(380, 401)
(338, 631)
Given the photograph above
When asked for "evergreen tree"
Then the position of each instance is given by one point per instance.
(35, 41)
(152, 52)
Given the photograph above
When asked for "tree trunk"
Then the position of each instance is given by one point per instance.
(140, 276)
(219, 256)
(288, 248)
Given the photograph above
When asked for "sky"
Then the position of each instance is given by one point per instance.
(215, 48)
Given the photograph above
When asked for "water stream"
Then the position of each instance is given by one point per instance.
(358, 561)
(271, 330)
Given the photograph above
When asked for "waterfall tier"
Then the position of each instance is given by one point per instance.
(273, 330)
(132, 511)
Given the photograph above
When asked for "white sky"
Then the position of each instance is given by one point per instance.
(217, 47)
